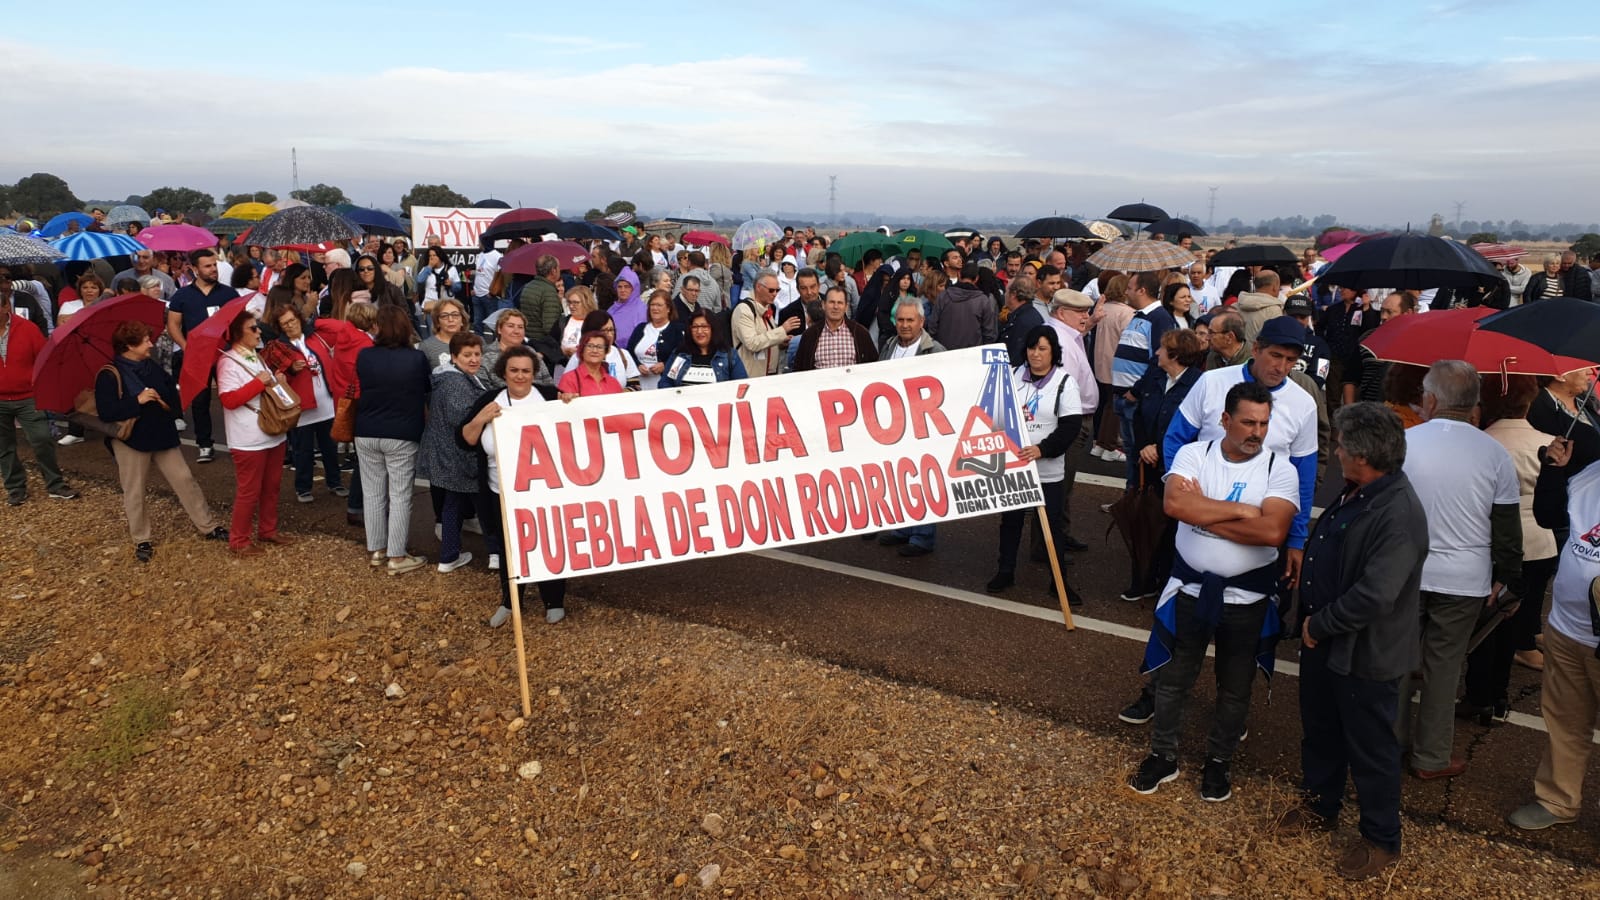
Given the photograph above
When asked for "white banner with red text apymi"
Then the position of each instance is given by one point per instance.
(629, 480)
(457, 227)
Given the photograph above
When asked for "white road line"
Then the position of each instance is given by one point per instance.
(1100, 626)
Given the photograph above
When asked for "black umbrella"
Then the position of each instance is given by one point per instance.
(1169, 225)
(491, 204)
(300, 225)
(1410, 262)
(1056, 227)
(1565, 326)
(1137, 212)
(1255, 255)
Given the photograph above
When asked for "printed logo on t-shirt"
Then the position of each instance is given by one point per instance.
(1237, 494)
(1587, 545)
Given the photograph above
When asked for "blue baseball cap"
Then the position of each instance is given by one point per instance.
(1283, 331)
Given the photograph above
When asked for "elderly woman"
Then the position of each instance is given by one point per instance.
(591, 376)
(629, 310)
(1547, 283)
(580, 303)
(655, 340)
(516, 368)
(303, 360)
(90, 289)
(449, 318)
(703, 357)
(242, 377)
(393, 380)
(619, 362)
(510, 330)
(452, 468)
(134, 387)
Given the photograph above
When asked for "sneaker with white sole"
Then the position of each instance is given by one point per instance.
(494, 562)
(67, 440)
(404, 564)
(180, 424)
(304, 498)
(1215, 785)
(438, 531)
(1155, 771)
(1115, 456)
(203, 455)
(1097, 451)
(64, 493)
(500, 617)
(457, 563)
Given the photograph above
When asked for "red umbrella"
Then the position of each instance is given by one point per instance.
(523, 223)
(206, 342)
(1338, 250)
(1426, 338)
(1336, 237)
(524, 259)
(176, 238)
(704, 238)
(72, 357)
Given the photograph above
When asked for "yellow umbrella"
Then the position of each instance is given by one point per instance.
(250, 212)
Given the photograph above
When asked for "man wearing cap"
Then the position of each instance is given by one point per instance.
(21, 341)
(1316, 358)
(1070, 317)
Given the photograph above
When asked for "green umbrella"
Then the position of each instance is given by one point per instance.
(854, 245)
(931, 243)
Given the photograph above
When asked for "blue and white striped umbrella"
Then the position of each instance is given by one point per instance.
(20, 250)
(96, 245)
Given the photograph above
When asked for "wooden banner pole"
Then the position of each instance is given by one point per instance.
(522, 653)
(1055, 568)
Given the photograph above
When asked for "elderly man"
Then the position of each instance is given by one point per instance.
(1259, 304)
(1071, 317)
(1205, 294)
(1359, 637)
(1567, 498)
(910, 338)
(1575, 279)
(835, 341)
(1474, 550)
(20, 343)
(540, 298)
(1228, 347)
(1022, 316)
(144, 263)
(710, 295)
(758, 335)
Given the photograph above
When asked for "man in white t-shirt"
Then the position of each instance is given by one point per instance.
(1468, 488)
(485, 267)
(1234, 501)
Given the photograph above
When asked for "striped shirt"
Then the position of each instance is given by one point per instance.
(1136, 349)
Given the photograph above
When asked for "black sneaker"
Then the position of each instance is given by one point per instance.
(217, 534)
(1214, 784)
(1155, 771)
(203, 455)
(1134, 593)
(16, 499)
(144, 550)
(64, 493)
(1501, 713)
(1000, 582)
(1141, 710)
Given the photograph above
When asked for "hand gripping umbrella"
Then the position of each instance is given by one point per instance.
(75, 352)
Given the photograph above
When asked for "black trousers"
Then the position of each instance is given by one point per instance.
(552, 592)
(1347, 733)
(1489, 666)
(1011, 525)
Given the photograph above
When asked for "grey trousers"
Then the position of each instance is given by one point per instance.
(1447, 622)
(388, 476)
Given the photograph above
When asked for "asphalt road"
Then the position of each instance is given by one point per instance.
(920, 620)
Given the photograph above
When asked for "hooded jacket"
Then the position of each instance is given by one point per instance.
(627, 314)
(1256, 310)
(964, 317)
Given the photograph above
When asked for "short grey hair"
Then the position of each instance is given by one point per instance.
(546, 265)
(1023, 288)
(1454, 383)
(1229, 322)
(1373, 433)
(148, 281)
(914, 303)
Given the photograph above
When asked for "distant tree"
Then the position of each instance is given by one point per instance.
(255, 197)
(320, 195)
(1324, 222)
(617, 206)
(5, 200)
(1483, 237)
(42, 194)
(1587, 245)
(431, 195)
(594, 213)
(176, 200)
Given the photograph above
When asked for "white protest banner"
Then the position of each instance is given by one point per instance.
(457, 227)
(630, 480)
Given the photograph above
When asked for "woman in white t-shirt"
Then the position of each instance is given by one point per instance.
(303, 359)
(515, 369)
(656, 339)
(1052, 415)
(437, 280)
(242, 377)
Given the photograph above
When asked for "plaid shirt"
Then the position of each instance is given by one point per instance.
(836, 347)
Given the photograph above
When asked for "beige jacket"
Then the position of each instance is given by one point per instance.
(1256, 310)
(1523, 441)
(760, 347)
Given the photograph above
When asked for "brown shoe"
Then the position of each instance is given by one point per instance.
(1303, 819)
(1456, 767)
(279, 538)
(1532, 659)
(1364, 859)
(246, 551)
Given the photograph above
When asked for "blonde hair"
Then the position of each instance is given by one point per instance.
(361, 314)
(721, 254)
(581, 298)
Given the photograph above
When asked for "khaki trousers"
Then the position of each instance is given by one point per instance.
(133, 468)
(1570, 699)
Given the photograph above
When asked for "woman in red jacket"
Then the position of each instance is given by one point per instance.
(303, 360)
(348, 338)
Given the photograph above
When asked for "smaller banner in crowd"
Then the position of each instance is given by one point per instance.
(458, 228)
(639, 479)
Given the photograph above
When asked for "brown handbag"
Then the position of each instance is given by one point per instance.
(278, 407)
(344, 417)
(85, 412)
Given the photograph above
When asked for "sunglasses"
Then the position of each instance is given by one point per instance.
(365, 269)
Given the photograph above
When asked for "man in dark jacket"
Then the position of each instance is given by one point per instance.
(1359, 592)
(1021, 317)
(964, 316)
(1344, 324)
(834, 341)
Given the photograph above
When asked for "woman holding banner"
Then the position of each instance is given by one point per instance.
(515, 368)
(1052, 414)
(703, 357)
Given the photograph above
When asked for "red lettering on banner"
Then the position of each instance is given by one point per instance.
(533, 460)
(624, 427)
(832, 502)
(782, 433)
(698, 520)
(925, 396)
(644, 533)
(933, 486)
(572, 520)
(810, 517)
(747, 429)
(855, 498)
(716, 445)
(732, 522)
(600, 548)
(527, 537)
(887, 433)
(585, 475)
(776, 497)
(838, 411)
(905, 470)
(677, 523)
(667, 463)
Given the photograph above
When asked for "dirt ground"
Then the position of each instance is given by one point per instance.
(301, 725)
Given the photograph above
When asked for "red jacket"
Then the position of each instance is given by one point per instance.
(24, 340)
(280, 355)
(348, 341)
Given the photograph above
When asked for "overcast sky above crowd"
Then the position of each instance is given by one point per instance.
(1373, 110)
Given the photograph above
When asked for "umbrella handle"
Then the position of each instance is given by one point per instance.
(1583, 409)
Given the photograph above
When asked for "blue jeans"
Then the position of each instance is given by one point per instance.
(924, 536)
(307, 441)
(482, 308)
(1125, 411)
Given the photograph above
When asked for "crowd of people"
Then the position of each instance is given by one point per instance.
(1230, 392)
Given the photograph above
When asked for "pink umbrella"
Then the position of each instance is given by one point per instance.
(704, 238)
(176, 238)
(525, 259)
(1333, 253)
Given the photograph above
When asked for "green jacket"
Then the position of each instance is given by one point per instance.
(540, 302)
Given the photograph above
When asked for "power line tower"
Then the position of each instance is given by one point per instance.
(1211, 210)
(1459, 206)
(294, 169)
(833, 198)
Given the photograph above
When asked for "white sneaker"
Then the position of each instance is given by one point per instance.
(180, 424)
(67, 440)
(500, 617)
(494, 562)
(472, 526)
(1115, 456)
(1097, 451)
(460, 561)
(438, 532)
(552, 616)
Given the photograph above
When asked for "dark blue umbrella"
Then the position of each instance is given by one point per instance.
(582, 231)
(491, 203)
(374, 221)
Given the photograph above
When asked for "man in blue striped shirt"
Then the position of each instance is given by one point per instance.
(1136, 354)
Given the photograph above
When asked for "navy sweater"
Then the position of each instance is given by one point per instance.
(394, 384)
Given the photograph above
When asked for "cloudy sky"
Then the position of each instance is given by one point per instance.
(1377, 111)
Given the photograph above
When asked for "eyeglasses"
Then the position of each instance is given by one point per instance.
(449, 315)
(252, 328)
